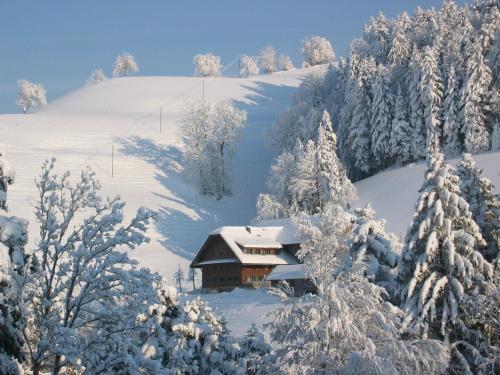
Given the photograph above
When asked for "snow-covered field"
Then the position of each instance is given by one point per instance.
(123, 114)
(84, 127)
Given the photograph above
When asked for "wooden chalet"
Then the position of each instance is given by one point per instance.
(244, 256)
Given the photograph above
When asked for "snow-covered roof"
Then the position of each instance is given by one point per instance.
(258, 242)
(287, 272)
(239, 237)
(217, 261)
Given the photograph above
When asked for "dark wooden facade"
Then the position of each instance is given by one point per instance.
(229, 272)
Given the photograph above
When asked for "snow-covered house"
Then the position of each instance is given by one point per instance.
(245, 255)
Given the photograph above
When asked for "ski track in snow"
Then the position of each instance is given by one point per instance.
(84, 126)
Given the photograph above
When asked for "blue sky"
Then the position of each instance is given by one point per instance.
(59, 42)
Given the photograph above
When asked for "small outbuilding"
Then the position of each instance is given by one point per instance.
(295, 276)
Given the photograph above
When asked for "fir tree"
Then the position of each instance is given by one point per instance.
(333, 184)
(416, 107)
(381, 118)
(431, 93)
(484, 205)
(304, 184)
(440, 263)
(451, 125)
(359, 131)
(379, 249)
(475, 101)
(401, 134)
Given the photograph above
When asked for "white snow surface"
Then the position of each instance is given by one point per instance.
(83, 127)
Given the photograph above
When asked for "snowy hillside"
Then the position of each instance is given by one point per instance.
(393, 193)
(123, 114)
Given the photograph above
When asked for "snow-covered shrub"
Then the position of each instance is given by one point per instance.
(124, 65)
(207, 65)
(31, 96)
(317, 50)
(210, 132)
(484, 205)
(285, 63)
(267, 60)
(96, 76)
(248, 66)
(83, 297)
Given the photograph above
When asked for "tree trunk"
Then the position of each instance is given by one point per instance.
(57, 365)
(36, 368)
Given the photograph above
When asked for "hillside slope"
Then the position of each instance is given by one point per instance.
(83, 127)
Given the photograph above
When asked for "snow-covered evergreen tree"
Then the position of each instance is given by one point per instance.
(359, 130)
(484, 205)
(317, 50)
(475, 101)
(31, 96)
(267, 60)
(440, 263)
(377, 248)
(207, 65)
(124, 65)
(431, 94)
(451, 125)
(400, 50)
(285, 63)
(381, 119)
(248, 66)
(333, 183)
(401, 134)
(96, 76)
(416, 106)
(304, 184)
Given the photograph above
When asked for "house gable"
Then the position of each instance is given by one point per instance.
(215, 248)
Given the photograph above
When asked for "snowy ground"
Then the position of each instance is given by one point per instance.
(123, 114)
(241, 307)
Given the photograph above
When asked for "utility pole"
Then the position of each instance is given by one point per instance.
(203, 90)
(112, 160)
(161, 109)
